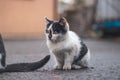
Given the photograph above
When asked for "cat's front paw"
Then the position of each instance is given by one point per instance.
(67, 67)
(57, 67)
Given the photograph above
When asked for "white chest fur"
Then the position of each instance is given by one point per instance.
(71, 40)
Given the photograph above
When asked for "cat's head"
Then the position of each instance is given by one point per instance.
(56, 30)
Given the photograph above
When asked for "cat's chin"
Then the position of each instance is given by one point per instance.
(53, 41)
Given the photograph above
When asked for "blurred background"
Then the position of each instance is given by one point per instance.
(22, 26)
(22, 19)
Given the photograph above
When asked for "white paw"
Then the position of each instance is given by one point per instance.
(76, 66)
(58, 67)
(67, 67)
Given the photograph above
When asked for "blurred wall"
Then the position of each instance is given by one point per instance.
(108, 9)
(25, 18)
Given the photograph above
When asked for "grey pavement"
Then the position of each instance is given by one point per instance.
(105, 60)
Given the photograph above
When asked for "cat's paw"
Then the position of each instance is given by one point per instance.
(76, 66)
(57, 67)
(67, 67)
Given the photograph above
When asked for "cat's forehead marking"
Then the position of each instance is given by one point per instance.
(50, 26)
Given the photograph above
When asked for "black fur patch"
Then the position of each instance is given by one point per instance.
(82, 53)
(50, 34)
(48, 25)
(2, 52)
(26, 67)
(56, 27)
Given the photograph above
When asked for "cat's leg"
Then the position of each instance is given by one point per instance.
(84, 64)
(59, 62)
(85, 61)
(80, 64)
(58, 65)
(68, 61)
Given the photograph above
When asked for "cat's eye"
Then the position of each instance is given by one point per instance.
(55, 32)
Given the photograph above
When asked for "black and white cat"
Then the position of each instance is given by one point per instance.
(69, 51)
(19, 67)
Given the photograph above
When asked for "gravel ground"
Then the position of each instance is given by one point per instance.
(105, 61)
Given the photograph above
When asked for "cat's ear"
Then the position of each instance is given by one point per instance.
(63, 21)
(47, 20)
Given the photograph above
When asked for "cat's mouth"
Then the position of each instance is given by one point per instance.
(58, 39)
(52, 40)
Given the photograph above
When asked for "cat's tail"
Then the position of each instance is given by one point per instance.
(25, 67)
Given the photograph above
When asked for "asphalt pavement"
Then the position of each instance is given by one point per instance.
(104, 64)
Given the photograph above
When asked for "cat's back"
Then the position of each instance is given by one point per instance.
(73, 36)
(73, 40)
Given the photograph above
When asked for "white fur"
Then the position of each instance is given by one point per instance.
(71, 40)
(65, 48)
(50, 27)
(68, 42)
